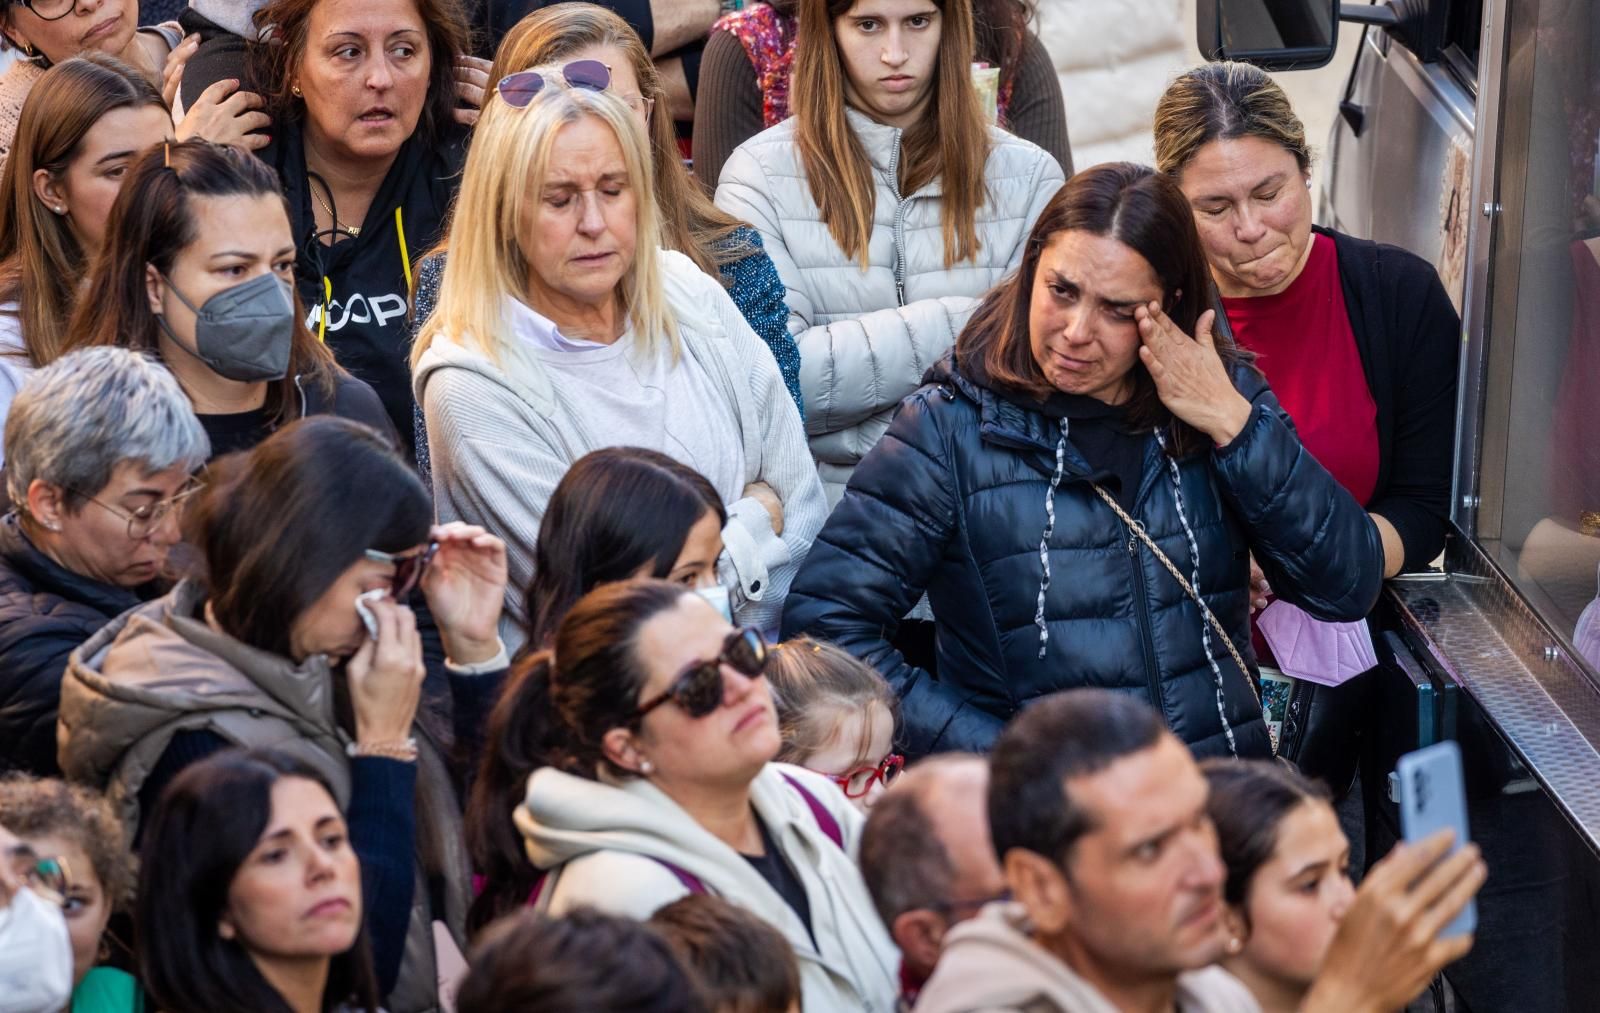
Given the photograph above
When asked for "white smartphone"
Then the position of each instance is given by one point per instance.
(364, 602)
(1433, 797)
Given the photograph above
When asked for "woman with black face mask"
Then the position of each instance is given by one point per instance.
(199, 269)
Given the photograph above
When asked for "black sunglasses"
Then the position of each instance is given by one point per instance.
(519, 89)
(699, 689)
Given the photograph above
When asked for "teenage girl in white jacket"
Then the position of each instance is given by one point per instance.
(888, 205)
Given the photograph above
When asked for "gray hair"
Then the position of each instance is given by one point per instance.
(78, 418)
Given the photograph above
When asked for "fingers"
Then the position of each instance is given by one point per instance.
(1203, 329)
(1448, 887)
(465, 117)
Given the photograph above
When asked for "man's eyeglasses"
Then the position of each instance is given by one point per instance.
(47, 10)
(519, 89)
(409, 566)
(698, 690)
(47, 876)
(143, 522)
(856, 783)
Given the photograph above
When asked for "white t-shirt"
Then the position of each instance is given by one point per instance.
(14, 364)
(633, 397)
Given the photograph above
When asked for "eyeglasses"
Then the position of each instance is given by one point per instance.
(856, 783)
(952, 909)
(48, 876)
(47, 10)
(520, 88)
(409, 566)
(143, 522)
(698, 690)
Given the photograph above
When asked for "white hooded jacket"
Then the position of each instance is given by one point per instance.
(604, 843)
(867, 336)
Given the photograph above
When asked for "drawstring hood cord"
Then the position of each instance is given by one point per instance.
(1044, 539)
(1194, 582)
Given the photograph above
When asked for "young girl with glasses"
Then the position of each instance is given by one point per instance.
(837, 717)
(653, 734)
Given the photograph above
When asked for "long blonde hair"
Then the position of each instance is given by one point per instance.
(690, 223)
(951, 143)
(506, 166)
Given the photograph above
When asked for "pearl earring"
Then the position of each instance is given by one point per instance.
(1235, 946)
(646, 768)
(61, 209)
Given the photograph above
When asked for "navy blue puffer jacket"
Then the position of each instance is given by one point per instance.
(952, 503)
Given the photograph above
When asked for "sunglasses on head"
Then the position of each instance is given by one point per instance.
(409, 566)
(520, 88)
(698, 690)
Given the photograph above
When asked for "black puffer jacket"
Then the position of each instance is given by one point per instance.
(46, 611)
(952, 502)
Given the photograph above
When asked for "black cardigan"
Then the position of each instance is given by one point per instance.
(1409, 337)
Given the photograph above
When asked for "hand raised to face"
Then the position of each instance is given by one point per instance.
(1189, 375)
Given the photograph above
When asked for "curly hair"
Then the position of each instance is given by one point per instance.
(45, 806)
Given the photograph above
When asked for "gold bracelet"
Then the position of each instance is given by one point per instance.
(1589, 523)
(404, 750)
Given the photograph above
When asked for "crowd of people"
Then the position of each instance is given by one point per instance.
(463, 554)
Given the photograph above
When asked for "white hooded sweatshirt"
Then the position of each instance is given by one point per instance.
(604, 843)
(990, 964)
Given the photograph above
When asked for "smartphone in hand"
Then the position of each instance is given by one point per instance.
(1433, 797)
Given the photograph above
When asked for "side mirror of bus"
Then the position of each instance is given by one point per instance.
(1280, 34)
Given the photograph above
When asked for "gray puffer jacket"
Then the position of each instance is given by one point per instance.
(866, 337)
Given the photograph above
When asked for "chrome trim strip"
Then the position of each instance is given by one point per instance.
(1542, 698)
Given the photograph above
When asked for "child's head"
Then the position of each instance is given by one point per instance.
(836, 715)
(743, 964)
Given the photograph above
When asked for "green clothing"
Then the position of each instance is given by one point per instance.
(107, 990)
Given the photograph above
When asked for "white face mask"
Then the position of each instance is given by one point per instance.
(35, 956)
(717, 595)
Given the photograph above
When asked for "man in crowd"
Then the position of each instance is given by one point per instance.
(1099, 816)
(928, 860)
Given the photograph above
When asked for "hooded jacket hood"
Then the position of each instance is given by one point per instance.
(991, 964)
(605, 842)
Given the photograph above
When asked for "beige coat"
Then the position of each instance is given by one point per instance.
(161, 669)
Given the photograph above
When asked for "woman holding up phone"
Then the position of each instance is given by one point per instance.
(265, 647)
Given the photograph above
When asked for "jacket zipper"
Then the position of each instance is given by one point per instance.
(899, 222)
(1146, 641)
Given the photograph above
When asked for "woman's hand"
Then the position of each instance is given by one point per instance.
(225, 115)
(172, 71)
(472, 86)
(1260, 590)
(385, 676)
(1189, 375)
(762, 493)
(466, 589)
(1387, 948)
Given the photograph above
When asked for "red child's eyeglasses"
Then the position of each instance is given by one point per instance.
(856, 783)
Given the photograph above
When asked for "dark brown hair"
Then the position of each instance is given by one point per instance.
(614, 511)
(41, 262)
(743, 964)
(1146, 212)
(152, 221)
(209, 820)
(1249, 801)
(277, 525)
(275, 60)
(555, 714)
(950, 143)
(580, 963)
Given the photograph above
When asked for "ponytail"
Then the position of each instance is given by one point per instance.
(557, 715)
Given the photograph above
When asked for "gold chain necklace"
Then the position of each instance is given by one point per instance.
(347, 230)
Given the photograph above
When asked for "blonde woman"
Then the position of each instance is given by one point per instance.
(888, 205)
(561, 327)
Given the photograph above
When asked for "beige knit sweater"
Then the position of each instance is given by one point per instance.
(15, 85)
